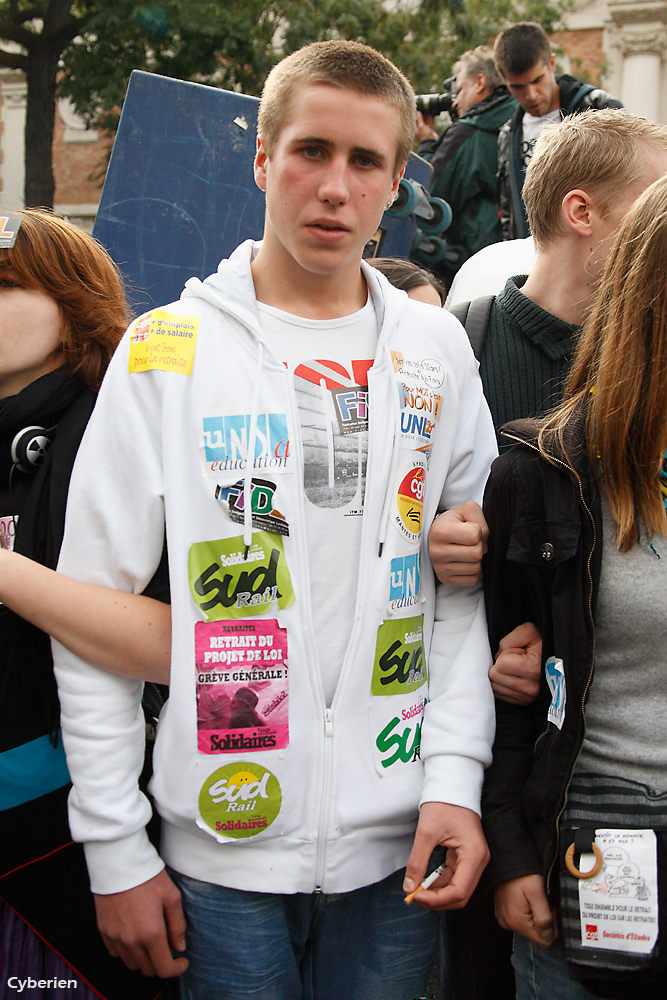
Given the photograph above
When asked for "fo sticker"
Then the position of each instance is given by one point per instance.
(242, 692)
(264, 515)
(240, 800)
(163, 341)
(228, 582)
(400, 658)
(410, 502)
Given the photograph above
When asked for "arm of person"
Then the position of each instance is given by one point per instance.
(126, 633)
(510, 601)
(424, 130)
(516, 672)
(460, 831)
(114, 537)
(456, 543)
(521, 905)
(143, 925)
(458, 726)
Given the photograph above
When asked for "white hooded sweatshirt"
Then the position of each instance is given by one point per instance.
(272, 790)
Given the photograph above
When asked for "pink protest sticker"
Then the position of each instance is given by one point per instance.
(242, 690)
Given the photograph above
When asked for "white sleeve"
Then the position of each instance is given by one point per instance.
(114, 533)
(459, 721)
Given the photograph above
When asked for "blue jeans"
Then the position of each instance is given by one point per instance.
(360, 945)
(542, 974)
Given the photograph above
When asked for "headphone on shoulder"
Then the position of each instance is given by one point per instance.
(30, 446)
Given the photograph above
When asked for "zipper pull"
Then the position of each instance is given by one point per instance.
(328, 722)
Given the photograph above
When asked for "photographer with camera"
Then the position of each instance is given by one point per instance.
(464, 158)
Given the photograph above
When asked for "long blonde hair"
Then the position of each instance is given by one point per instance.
(619, 374)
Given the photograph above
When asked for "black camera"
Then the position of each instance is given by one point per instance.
(435, 104)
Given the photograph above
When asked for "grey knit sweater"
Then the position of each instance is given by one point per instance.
(526, 357)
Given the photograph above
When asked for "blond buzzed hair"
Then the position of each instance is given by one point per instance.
(343, 64)
(601, 152)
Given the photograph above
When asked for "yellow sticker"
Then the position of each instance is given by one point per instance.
(163, 341)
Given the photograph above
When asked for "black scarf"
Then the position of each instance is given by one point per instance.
(28, 697)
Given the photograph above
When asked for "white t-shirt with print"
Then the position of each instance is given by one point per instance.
(532, 127)
(329, 360)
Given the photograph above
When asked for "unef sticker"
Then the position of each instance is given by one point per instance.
(265, 517)
(224, 440)
(400, 658)
(404, 576)
(9, 227)
(242, 702)
(240, 800)
(410, 501)
(420, 412)
(164, 342)
(396, 731)
(227, 582)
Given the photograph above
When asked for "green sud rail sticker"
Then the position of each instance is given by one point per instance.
(224, 583)
(400, 659)
(240, 800)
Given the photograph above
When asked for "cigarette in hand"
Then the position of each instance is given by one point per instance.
(428, 881)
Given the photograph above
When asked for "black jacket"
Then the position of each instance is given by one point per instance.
(575, 96)
(543, 565)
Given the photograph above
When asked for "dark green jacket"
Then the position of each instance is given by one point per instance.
(464, 162)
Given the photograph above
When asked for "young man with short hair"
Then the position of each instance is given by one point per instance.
(524, 58)
(316, 420)
(582, 179)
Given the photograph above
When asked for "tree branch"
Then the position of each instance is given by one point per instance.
(13, 60)
(15, 33)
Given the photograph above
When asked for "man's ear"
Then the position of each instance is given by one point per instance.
(260, 164)
(576, 207)
(396, 182)
(552, 62)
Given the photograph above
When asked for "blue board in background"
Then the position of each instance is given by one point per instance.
(179, 193)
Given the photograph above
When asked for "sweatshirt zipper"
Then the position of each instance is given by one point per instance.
(571, 471)
(326, 802)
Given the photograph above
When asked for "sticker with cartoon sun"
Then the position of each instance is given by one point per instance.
(239, 800)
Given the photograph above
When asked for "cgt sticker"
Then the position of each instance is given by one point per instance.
(225, 582)
(224, 439)
(410, 501)
(163, 341)
(239, 800)
(400, 658)
(396, 733)
(265, 517)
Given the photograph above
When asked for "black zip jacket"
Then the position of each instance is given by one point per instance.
(543, 565)
(575, 96)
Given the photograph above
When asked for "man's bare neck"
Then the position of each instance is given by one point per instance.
(311, 296)
(560, 285)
